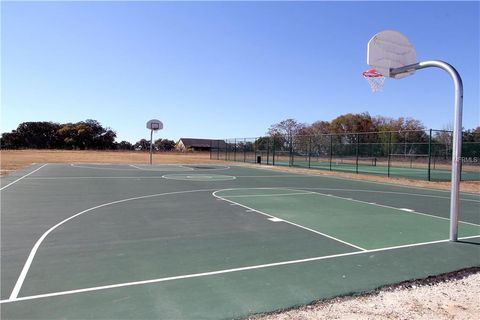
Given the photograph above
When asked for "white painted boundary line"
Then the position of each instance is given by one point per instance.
(286, 221)
(101, 167)
(164, 168)
(274, 169)
(8, 185)
(270, 195)
(96, 177)
(363, 190)
(198, 177)
(26, 267)
(392, 192)
(225, 271)
(404, 210)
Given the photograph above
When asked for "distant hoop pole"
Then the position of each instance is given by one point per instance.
(457, 135)
(153, 125)
(151, 145)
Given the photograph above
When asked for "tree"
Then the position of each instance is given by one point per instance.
(11, 140)
(318, 128)
(37, 135)
(262, 143)
(353, 123)
(124, 145)
(164, 145)
(87, 134)
(285, 131)
(142, 145)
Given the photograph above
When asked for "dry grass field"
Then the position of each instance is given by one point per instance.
(16, 159)
(12, 160)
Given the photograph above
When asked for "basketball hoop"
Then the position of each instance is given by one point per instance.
(375, 79)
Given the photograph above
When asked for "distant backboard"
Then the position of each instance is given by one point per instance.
(155, 124)
(390, 49)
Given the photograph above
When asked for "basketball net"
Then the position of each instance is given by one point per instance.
(375, 79)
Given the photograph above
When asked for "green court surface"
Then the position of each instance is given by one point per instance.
(212, 241)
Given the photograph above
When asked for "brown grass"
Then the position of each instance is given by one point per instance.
(12, 160)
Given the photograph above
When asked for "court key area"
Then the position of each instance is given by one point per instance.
(89, 241)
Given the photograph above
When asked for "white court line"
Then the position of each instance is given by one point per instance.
(392, 192)
(274, 169)
(270, 195)
(389, 207)
(224, 271)
(353, 200)
(370, 191)
(99, 167)
(165, 168)
(26, 267)
(282, 176)
(365, 202)
(286, 221)
(96, 177)
(8, 185)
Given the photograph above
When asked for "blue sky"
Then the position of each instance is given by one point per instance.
(227, 69)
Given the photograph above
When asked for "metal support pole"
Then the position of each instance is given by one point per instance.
(151, 145)
(457, 135)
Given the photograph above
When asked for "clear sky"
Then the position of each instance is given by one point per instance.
(227, 69)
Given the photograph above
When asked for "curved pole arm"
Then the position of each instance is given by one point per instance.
(457, 134)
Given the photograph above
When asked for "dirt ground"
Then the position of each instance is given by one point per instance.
(452, 296)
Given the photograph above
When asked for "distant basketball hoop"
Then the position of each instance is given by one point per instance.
(153, 125)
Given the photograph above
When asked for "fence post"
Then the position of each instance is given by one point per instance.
(235, 150)
(290, 151)
(429, 154)
(268, 151)
(356, 154)
(273, 151)
(331, 151)
(309, 150)
(244, 149)
(389, 152)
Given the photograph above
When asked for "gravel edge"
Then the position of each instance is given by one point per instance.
(453, 295)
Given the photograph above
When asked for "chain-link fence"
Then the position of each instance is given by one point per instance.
(421, 155)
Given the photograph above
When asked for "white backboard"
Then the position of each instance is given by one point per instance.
(155, 124)
(390, 49)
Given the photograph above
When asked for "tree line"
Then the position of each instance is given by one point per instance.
(350, 124)
(83, 135)
(351, 129)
